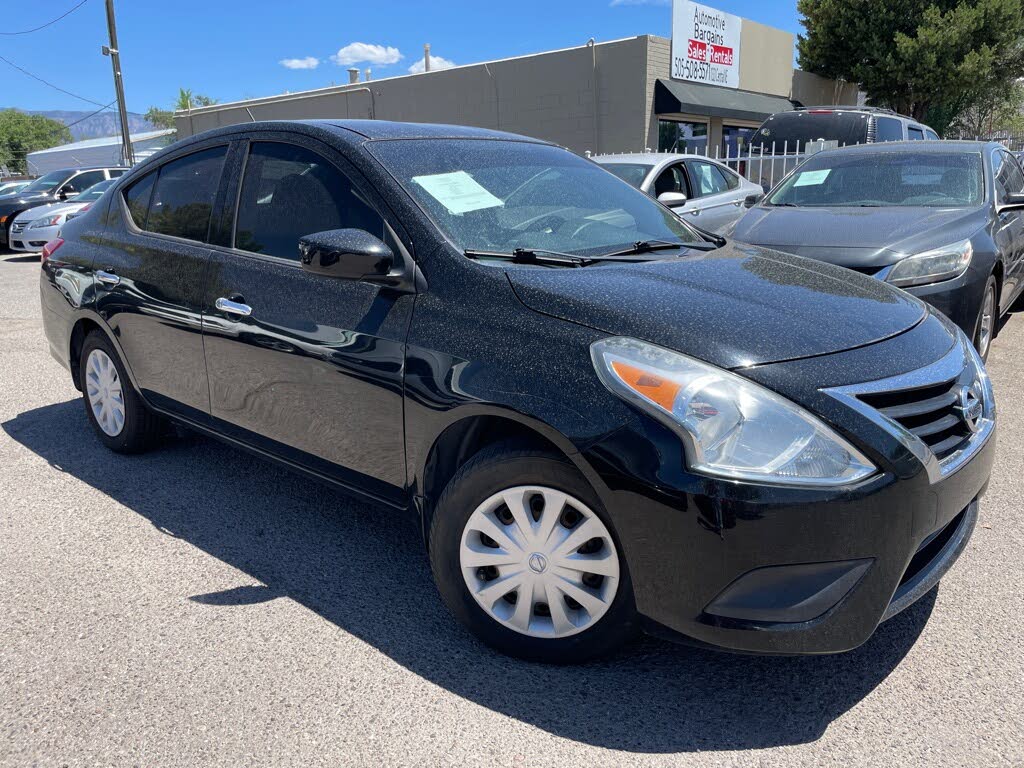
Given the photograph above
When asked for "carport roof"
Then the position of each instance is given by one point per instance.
(675, 96)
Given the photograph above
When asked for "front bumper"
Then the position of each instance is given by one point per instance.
(698, 549)
(32, 240)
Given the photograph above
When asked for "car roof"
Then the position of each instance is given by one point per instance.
(353, 132)
(88, 168)
(648, 158)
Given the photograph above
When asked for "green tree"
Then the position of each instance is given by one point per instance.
(931, 59)
(161, 118)
(997, 111)
(189, 100)
(21, 133)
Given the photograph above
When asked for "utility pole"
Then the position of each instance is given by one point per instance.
(115, 60)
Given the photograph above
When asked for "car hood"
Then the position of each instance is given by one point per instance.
(857, 237)
(733, 307)
(17, 201)
(39, 211)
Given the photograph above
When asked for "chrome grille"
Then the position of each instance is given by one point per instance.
(18, 227)
(932, 414)
(943, 413)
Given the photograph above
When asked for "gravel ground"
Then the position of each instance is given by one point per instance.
(198, 606)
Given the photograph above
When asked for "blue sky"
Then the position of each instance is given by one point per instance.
(232, 50)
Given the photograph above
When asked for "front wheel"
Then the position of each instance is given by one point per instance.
(988, 315)
(524, 557)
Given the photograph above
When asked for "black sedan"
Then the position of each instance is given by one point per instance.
(603, 419)
(944, 220)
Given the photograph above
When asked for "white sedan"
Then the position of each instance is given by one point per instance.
(700, 190)
(34, 228)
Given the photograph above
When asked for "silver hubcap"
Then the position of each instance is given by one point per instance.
(103, 388)
(988, 322)
(539, 561)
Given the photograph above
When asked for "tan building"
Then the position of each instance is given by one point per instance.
(606, 97)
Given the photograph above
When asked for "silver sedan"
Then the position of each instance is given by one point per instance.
(698, 189)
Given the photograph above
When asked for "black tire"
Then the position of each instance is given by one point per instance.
(142, 428)
(990, 290)
(493, 470)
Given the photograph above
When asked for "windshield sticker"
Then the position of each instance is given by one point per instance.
(458, 192)
(812, 178)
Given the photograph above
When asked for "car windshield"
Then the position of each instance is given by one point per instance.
(631, 173)
(500, 196)
(47, 182)
(94, 192)
(791, 131)
(885, 179)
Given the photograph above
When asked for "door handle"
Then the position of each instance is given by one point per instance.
(233, 307)
(107, 278)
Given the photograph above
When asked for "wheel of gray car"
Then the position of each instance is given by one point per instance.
(524, 557)
(988, 315)
(121, 420)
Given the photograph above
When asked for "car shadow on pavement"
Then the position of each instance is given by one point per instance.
(368, 574)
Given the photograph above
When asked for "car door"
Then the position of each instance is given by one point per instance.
(149, 272)
(672, 178)
(306, 367)
(1009, 229)
(718, 198)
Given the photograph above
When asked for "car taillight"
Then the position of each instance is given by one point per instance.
(50, 247)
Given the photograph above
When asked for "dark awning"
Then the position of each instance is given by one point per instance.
(695, 99)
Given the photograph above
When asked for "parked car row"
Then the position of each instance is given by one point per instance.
(54, 187)
(605, 419)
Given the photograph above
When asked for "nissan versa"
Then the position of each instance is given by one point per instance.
(605, 420)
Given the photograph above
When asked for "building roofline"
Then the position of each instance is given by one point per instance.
(242, 103)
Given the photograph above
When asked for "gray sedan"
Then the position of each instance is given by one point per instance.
(700, 190)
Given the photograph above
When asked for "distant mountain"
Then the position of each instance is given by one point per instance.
(103, 124)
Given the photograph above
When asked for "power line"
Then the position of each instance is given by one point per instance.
(47, 24)
(93, 114)
(46, 82)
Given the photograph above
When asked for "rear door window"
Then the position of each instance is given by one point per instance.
(915, 134)
(289, 192)
(137, 197)
(183, 199)
(888, 129)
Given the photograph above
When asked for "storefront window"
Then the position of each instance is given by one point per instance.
(736, 140)
(684, 137)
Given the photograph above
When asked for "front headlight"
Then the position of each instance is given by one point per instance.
(731, 427)
(47, 221)
(933, 266)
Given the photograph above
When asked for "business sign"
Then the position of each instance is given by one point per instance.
(705, 44)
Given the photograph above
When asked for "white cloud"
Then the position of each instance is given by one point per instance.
(309, 62)
(613, 3)
(366, 53)
(436, 62)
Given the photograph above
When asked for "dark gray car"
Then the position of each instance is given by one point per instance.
(943, 220)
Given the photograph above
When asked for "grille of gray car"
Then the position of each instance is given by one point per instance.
(18, 227)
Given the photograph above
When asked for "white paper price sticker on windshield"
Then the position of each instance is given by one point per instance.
(812, 178)
(458, 192)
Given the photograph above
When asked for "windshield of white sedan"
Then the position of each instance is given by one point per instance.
(631, 173)
(885, 179)
(506, 196)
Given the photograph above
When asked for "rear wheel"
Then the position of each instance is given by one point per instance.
(524, 557)
(121, 420)
(988, 315)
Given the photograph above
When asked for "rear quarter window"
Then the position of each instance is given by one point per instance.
(793, 130)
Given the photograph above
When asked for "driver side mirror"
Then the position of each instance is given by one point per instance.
(751, 200)
(347, 254)
(672, 199)
(66, 192)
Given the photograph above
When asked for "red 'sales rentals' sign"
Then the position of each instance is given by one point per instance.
(705, 44)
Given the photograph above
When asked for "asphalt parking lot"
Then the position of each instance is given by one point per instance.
(197, 606)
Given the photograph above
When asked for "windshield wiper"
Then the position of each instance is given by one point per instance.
(648, 246)
(531, 256)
